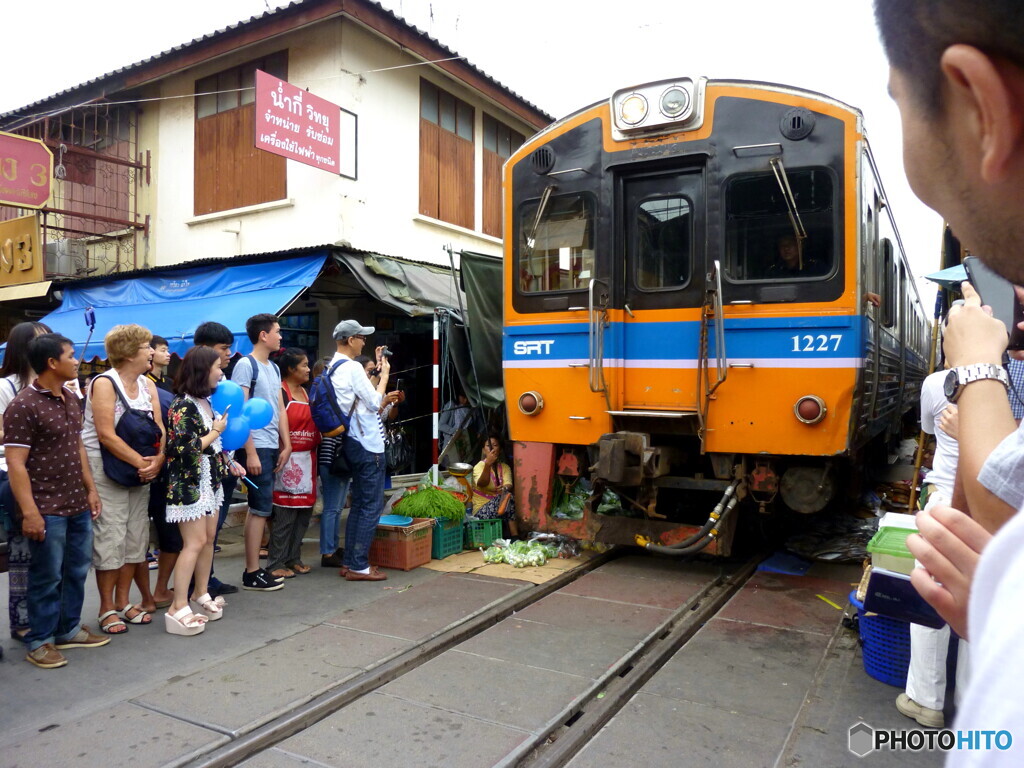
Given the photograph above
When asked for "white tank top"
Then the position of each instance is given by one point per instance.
(143, 402)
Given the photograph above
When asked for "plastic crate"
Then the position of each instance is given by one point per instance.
(447, 539)
(885, 646)
(888, 550)
(481, 533)
(403, 547)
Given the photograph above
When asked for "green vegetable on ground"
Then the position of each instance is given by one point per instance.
(431, 501)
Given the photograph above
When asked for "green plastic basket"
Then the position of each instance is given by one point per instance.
(481, 533)
(447, 539)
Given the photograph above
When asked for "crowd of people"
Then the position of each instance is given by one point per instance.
(89, 469)
(957, 77)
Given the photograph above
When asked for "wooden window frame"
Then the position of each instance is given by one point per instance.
(229, 171)
(499, 143)
(447, 150)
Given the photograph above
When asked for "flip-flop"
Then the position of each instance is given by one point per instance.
(139, 618)
(300, 567)
(163, 603)
(108, 629)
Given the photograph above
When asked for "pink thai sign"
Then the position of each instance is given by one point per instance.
(296, 124)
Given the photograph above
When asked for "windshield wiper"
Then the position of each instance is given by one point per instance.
(531, 236)
(794, 215)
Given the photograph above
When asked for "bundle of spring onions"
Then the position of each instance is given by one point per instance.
(430, 501)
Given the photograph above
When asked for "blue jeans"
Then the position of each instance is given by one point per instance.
(368, 470)
(261, 498)
(56, 579)
(334, 491)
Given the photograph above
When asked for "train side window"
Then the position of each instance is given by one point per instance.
(888, 284)
(760, 241)
(663, 246)
(556, 249)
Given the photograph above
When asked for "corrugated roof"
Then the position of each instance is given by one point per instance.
(247, 258)
(112, 77)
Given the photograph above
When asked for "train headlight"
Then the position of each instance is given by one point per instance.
(531, 403)
(810, 409)
(674, 102)
(633, 109)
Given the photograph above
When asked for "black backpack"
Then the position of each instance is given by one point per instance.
(323, 405)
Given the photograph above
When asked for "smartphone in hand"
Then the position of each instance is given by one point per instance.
(998, 293)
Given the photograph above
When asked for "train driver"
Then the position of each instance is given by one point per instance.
(792, 261)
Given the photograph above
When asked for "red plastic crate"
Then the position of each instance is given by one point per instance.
(403, 547)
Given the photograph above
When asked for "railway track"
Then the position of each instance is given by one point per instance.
(570, 724)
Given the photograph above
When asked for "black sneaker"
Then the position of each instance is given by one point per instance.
(260, 581)
(332, 560)
(218, 587)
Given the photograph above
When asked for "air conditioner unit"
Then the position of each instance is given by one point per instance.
(64, 257)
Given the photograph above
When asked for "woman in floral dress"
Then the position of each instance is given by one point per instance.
(196, 465)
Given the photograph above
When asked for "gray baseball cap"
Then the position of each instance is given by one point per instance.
(348, 328)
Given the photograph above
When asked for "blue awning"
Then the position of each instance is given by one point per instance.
(172, 303)
(950, 277)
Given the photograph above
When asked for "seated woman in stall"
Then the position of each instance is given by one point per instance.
(492, 486)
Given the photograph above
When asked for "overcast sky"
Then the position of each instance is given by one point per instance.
(559, 54)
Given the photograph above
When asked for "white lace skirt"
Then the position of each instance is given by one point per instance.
(210, 499)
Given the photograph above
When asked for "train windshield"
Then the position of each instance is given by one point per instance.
(556, 249)
(761, 243)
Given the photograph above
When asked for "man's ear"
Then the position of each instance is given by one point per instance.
(988, 93)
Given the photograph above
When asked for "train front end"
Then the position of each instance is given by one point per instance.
(684, 313)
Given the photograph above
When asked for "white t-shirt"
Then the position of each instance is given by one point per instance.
(995, 621)
(351, 382)
(947, 449)
(9, 387)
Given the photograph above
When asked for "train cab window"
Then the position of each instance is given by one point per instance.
(761, 243)
(556, 244)
(664, 233)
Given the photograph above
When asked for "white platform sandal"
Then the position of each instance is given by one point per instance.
(211, 608)
(184, 622)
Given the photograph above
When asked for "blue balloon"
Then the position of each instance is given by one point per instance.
(258, 411)
(228, 393)
(235, 433)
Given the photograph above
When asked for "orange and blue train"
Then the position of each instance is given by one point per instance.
(705, 293)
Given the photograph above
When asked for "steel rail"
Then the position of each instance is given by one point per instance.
(569, 731)
(311, 712)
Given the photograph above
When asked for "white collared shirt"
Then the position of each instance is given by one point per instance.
(352, 384)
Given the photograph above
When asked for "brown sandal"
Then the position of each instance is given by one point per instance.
(300, 567)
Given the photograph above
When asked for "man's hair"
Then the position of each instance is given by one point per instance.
(916, 32)
(258, 324)
(211, 333)
(156, 341)
(122, 342)
(46, 347)
(193, 376)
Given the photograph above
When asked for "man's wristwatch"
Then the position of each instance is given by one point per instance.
(961, 376)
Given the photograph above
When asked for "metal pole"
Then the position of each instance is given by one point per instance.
(435, 469)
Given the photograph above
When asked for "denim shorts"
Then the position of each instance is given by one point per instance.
(261, 499)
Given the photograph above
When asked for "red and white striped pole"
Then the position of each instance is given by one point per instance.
(435, 470)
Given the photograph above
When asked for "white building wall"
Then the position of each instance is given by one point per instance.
(341, 62)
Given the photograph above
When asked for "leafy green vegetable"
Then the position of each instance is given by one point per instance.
(431, 501)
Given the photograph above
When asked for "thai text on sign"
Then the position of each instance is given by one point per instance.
(297, 124)
(26, 167)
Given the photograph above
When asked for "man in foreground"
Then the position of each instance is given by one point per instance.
(53, 486)
(957, 76)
